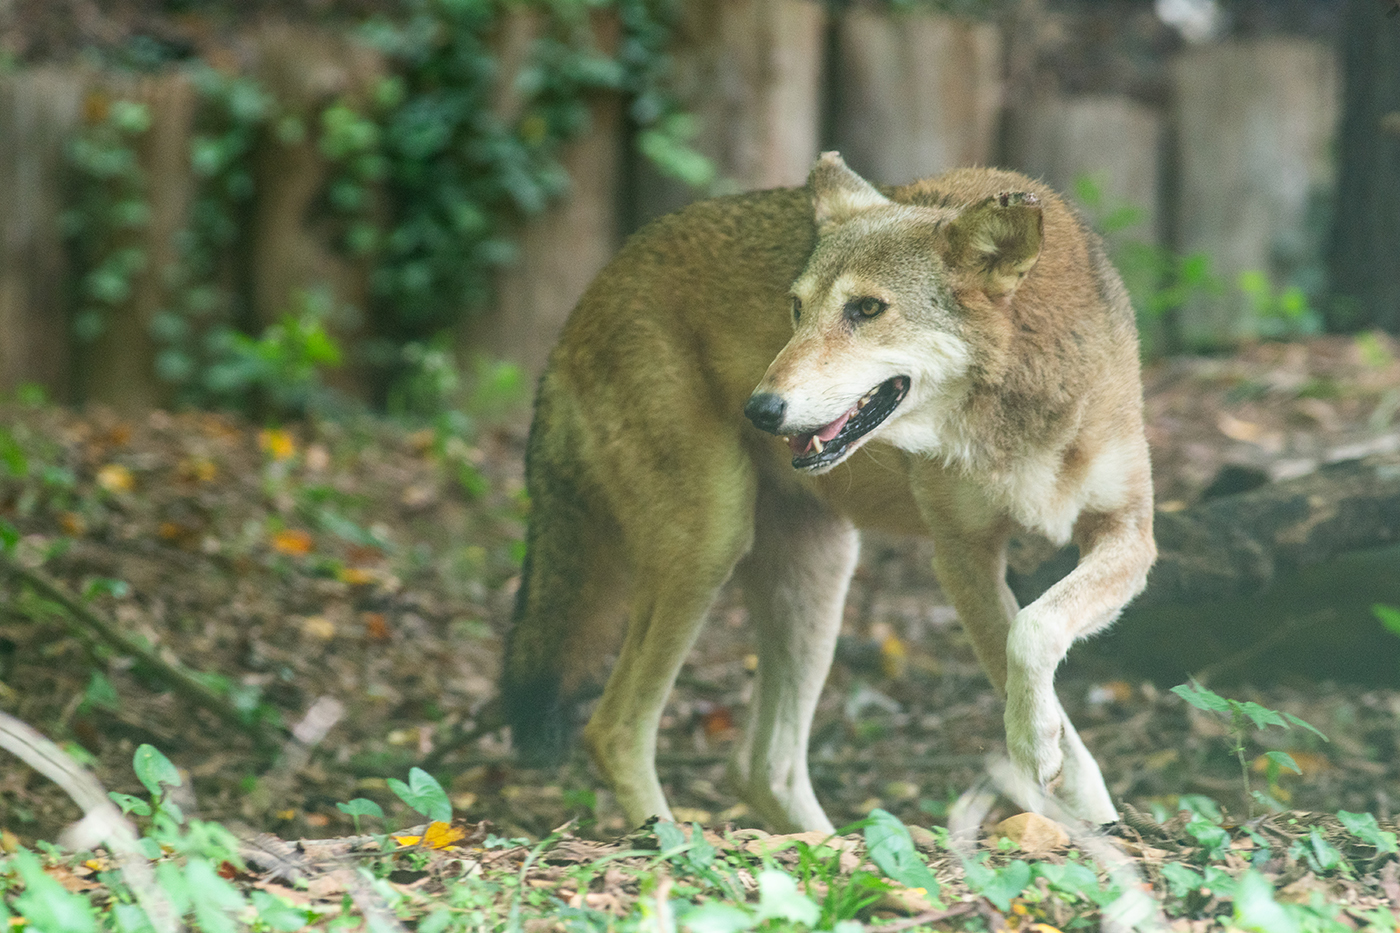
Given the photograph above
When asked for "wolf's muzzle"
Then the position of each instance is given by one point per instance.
(766, 411)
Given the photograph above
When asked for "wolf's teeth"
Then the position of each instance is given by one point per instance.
(817, 444)
(862, 403)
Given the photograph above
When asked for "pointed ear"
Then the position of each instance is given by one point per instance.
(997, 242)
(838, 194)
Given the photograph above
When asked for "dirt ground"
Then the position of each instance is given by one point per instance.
(374, 566)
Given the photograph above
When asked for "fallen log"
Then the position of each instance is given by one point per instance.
(1280, 578)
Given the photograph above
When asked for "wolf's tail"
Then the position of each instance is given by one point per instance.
(566, 617)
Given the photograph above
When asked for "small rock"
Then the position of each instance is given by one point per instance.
(1033, 833)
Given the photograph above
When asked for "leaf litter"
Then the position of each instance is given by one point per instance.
(375, 565)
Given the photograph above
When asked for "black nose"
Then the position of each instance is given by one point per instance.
(766, 411)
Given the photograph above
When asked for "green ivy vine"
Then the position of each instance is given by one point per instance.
(428, 181)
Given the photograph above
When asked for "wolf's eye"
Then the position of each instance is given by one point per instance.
(866, 307)
(796, 309)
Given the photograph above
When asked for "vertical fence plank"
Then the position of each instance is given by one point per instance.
(290, 233)
(751, 72)
(1112, 140)
(1255, 124)
(39, 110)
(118, 368)
(560, 250)
(559, 253)
(916, 93)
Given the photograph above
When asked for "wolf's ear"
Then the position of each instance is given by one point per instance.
(997, 241)
(838, 194)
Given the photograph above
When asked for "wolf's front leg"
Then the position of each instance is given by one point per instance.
(794, 583)
(1117, 550)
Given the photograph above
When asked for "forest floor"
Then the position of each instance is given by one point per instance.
(372, 567)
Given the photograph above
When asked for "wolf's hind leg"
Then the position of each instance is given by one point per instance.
(681, 556)
(794, 581)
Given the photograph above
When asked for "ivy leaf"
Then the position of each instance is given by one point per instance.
(1256, 909)
(1325, 855)
(1364, 827)
(153, 769)
(892, 849)
(1389, 616)
(1262, 716)
(715, 917)
(424, 794)
(1306, 725)
(1202, 697)
(778, 898)
(1002, 885)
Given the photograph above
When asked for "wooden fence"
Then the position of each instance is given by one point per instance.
(1231, 164)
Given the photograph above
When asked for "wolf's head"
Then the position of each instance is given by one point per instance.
(895, 311)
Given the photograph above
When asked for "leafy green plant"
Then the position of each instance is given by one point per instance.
(424, 794)
(278, 373)
(1280, 312)
(1162, 282)
(359, 807)
(1239, 717)
(1389, 617)
(891, 847)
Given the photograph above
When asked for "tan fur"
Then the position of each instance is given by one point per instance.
(649, 487)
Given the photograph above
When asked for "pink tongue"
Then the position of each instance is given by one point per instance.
(833, 429)
(801, 443)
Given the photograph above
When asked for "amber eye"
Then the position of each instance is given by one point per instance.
(866, 307)
(796, 309)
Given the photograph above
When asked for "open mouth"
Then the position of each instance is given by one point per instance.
(830, 443)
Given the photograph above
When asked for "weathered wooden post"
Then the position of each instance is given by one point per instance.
(916, 93)
(1255, 125)
(561, 249)
(39, 111)
(751, 73)
(117, 368)
(289, 237)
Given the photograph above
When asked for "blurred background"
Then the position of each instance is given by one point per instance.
(267, 206)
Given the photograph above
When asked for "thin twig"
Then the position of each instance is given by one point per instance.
(86, 621)
(928, 916)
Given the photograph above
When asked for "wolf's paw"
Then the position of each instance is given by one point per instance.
(1033, 743)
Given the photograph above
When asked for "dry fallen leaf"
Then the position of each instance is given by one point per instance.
(293, 541)
(116, 478)
(356, 576)
(376, 626)
(277, 444)
(440, 835)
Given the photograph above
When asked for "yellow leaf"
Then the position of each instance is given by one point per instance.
(440, 835)
(408, 840)
(894, 657)
(277, 443)
(318, 627)
(356, 576)
(293, 541)
(115, 478)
